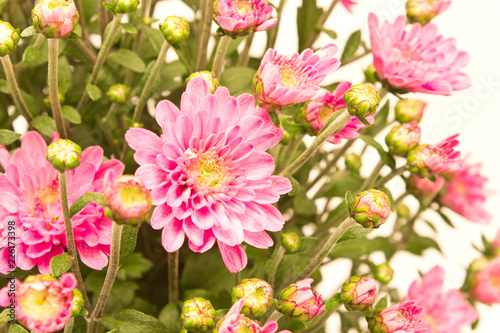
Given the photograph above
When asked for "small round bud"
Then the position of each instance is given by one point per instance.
(384, 273)
(403, 211)
(299, 303)
(209, 77)
(362, 100)
(358, 293)
(64, 154)
(258, 296)
(78, 301)
(175, 29)
(401, 139)
(371, 208)
(55, 18)
(408, 110)
(290, 241)
(198, 315)
(353, 162)
(118, 93)
(125, 6)
(9, 37)
(423, 11)
(371, 74)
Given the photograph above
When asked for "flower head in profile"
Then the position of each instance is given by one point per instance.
(358, 293)
(417, 59)
(209, 175)
(43, 303)
(486, 283)
(423, 11)
(287, 80)
(324, 105)
(238, 18)
(444, 311)
(404, 317)
(55, 18)
(371, 208)
(465, 193)
(29, 193)
(298, 302)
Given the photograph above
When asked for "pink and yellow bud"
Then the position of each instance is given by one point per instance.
(118, 93)
(299, 303)
(358, 293)
(384, 273)
(209, 78)
(9, 37)
(175, 29)
(64, 154)
(290, 241)
(408, 110)
(371, 208)
(198, 315)
(125, 6)
(362, 100)
(55, 18)
(423, 11)
(403, 138)
(258, 296)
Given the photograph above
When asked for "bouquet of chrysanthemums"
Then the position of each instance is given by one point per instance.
(157, 176)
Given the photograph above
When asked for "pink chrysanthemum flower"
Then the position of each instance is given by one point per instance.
(298, 302)
(324, 105)
(348, 4)
(282, 81)
(55, 18)
(466, 195)
(241, 17)
(43, 303)
(404, 317)
(487, 283)
(423, 11)
(29, 193)
(209, 174)
(444, 311)
(417, 60)
(424, 188)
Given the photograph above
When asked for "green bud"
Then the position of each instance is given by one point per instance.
(362, 100)
(9, 37)
(403, 211)
(118, 93)
(175, 29)
(403, 138)
(198, 315)
(358, 293)
(290, 241)
(64, 154)
(353, 162)
(78, 301)
(125, 6)
(209, 77)
(384, 273)
(258, 296)
(371, 74)
(408, 110)
(371, 208)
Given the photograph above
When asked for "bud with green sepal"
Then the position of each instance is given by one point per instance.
(299, 303)
(9, 37)
(209, 78)
(258, 296)
(403, 211)
(403, 138)
(175, 30)
(125, 6)
(371, 74)
(384, 273)
(423, 11)
(353, 162)
(198, 315)
(408, 110)
(358, 293)
(118, 93)
(55, 18)
(64, 154)
(290, 241)
(78, 302)
(371, 208)
(362, 100)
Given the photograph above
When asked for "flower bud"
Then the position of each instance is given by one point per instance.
(424, 188)
(55, 18)
(64, 154)
(403, 138)
(258, 296)
(408, 110)
(371, 208)
(423, 11)
(299, 303)
(209, 77)
(362, 100)
(128, 200)
(125, 6)
(358, 293)
(371, 74)
(353, 162)
(198, 315)
(403, 211)
(78, 302)
(9, 37)
(118, 93)
(384, 273)
(175, 29)
(290, 241)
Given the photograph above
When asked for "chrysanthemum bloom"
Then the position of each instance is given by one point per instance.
(371, 208)
(487, 283)
(9, 37)
(404, 317)
(403, 138)
(423, 11)
(348, 4)
(43, 303)
(298, 302)
(417, 60)
(424, 188)
(209, 174)
(238, 18)
(465, 193)
(55, 18)
(444, 311)
(282, 81)
(358, 293)
(258, 296)
(408, 110)
(324, 105)
(29, 191)
(429, 160)
(198, 315)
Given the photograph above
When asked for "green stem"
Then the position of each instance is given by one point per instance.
(206, 23)
(321, 22)
(289, 152)
(182, 57)
(69, 325)
(339, 122)
(114, 264)
(81, 21)
(275, 316)
(408, 228)
(371, 179)
(106, 127)
(14, 89)
(220, 55)
(173, 277)
(86, 51)
(55, 104)
(355, 58)
(319, 321)
(273, 32)
(22, 65)
(278, 254)
(244, 57)
(70, 240)
(394, 173)
(102, 17)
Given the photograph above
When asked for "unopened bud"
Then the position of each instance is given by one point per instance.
(78, 301)
(9, 37)
(362, 100)
(408, 110)
(64, 154)
(371, 208)
(423, 11)
(401, 139)
(290, 241)
(384, 273)
(198, 315)
(118, 93)
(175, 29)
(125, 6)
(358, 293)
(353, 162)
(55, 18)
(371, 74)
(209, 78)
(299, 303)
(258, 296)
(403, 211)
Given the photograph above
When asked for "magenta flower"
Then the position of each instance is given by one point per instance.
(404, 317)
(282, 81)
(424, 188)
(417, 60)
(209, 174)
(324, 105)
(487, 283)
(348, 4)
(29, 194)
(465, 194)
(444, 311)
(43, 303)
(241, 17)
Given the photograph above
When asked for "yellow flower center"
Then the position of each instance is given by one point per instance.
(288, 76)
(207, 169)
(47, 196)
(243, 7)
(131, 195)
(40, 304)
(324, 113)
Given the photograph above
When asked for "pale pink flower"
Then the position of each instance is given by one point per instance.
(29, 193)
(424, 188)
(282, 81)
(42, 303)
(417, 60)
(320, 108)
(241, 17)
(487, 283)
(444, 311)
(298, 302)
(404, 317)
(348, 4)
(209, 174)
(423, 11)
(55, 18)
(465, 193)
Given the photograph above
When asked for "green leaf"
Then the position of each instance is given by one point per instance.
(332, 34)
(348, 200)
(306, 244)
(352, 45)
(14, 328)
(134, 267)
(31, 55)
(384, 156)
(5, 316)
(28, 32)
(295, 185)
(418, 244)
(31, 103)
(333, 303)
(381, 304)
(303, 205)
(170, 316)
(307, 17)
(129, 28)
(71, 114)
(356, 248)
(145, 77)
(60, 264)
(133, 321)
(445, 218)
(355, 232)
(330, 120)
(128, 242)
(8, 137)
(4, 86)
(45, 125)
(239, 79)
(291, 127)
(65, 76)
(94, 92)
(84, 200)
(128, 59)
(109, 6)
